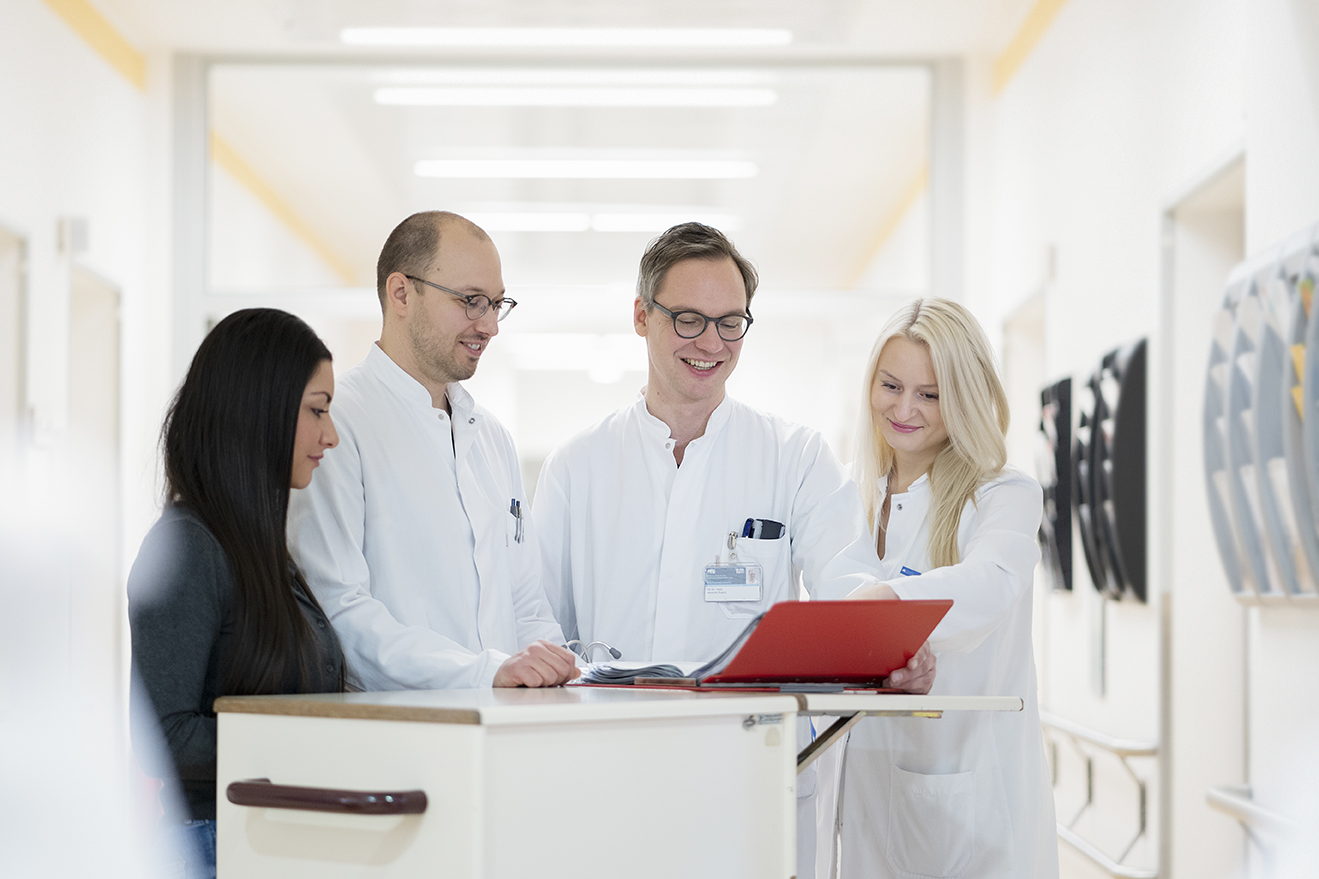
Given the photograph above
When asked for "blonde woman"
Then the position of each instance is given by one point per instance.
(966, 795)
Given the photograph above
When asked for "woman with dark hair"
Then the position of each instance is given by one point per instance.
(216, 605)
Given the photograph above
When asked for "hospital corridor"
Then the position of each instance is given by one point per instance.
(845, 438)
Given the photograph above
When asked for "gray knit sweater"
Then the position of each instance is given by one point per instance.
(181, 610)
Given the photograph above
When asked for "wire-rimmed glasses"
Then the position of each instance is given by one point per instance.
(477, 303)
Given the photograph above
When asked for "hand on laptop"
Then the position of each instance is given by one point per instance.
(918, 674)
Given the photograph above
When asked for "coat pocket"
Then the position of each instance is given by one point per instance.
(932, 823)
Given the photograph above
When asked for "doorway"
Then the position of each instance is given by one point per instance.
(1206, 658)
(96, 601)
(13, 321)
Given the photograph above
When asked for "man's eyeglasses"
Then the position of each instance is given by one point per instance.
(690, 324)
(477, 304)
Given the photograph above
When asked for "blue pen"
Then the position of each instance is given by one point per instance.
(748, 527)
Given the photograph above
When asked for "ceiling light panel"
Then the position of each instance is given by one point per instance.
(531, 221)
(575, 97)
(551, 221)
(588, 169)
(566, 37)
(543, 77)
(659, 222)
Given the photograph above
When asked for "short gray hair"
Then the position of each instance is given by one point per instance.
(689, 241)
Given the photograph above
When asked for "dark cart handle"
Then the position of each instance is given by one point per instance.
(260, 793)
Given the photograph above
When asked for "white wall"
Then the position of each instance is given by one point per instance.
(79, 140)
(251, 247)
(1118, 112)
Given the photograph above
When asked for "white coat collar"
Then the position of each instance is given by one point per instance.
(920, 486)
(718, 418)
(413, 392)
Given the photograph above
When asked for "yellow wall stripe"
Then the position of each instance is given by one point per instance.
(915, 189)
(227, 158)
(1298, 363)
(98, 33)
(1032, 29)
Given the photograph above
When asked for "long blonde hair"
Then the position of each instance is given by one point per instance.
(974, 410)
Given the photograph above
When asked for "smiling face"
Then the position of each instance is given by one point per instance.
(689, 371)
(904, 400)
(445, 343)
(315, 431)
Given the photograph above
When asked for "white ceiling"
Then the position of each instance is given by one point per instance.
(838, 151)
(829, 175)
(894, 27)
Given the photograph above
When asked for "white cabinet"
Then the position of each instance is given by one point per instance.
(571, 782)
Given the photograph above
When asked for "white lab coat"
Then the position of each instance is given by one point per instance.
(406, 537)
(968, 794)
(626, 534)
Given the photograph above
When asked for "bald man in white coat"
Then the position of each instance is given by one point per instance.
(411, 534)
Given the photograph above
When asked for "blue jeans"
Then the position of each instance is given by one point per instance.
(190, 850)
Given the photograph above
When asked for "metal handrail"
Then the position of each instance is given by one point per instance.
(1238, 801)
(1120, 747)
(1122, 871)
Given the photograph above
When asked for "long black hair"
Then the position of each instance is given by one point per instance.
(228, 448)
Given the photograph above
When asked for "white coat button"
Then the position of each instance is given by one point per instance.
(668, 445)
(471, 421)
(899, 506)
(441, 414)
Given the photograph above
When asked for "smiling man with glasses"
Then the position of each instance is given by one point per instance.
(646, 518)
(412, 537)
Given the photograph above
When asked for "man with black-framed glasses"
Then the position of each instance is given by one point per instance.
(647, 520)
(413, 538)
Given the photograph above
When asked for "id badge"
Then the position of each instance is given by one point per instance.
(734, 582)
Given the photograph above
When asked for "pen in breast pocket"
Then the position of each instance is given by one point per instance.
(515, 508)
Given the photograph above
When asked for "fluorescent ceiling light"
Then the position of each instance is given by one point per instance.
(543, 77)
(531, 221)
(575, 97)
(564, 37)
(660, 222)
(550, 221)
(588, 169)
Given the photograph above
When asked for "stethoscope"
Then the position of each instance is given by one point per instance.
(585, 651)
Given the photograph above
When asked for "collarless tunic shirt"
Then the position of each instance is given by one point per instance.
(407, 539)
(969, 794)
(626, 533)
